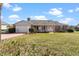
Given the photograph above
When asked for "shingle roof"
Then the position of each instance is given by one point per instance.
(39, 22)
(43, 22)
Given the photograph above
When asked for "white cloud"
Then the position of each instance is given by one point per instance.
(66, 20)
(71, 11)
(14, 17)
(60, 15)
(39, 18)
(14, 8)
(60, 8)
(74, 10)
(77, 9)
(55, 12)
(17, 8)
(7, 5)
(18, 20)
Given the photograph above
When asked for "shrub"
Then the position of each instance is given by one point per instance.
(70, 30)
(31, 30)
(76, 28)
(62, 31)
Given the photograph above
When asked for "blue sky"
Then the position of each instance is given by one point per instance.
(62, 12)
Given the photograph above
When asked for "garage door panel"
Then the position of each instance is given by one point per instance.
(21, 29)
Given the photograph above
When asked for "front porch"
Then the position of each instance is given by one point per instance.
(42, 28)
(39, 28)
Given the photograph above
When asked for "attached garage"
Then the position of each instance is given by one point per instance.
(22, 27)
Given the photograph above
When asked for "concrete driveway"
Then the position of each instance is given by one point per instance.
(6, 36)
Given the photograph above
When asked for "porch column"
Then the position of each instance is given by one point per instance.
(40, 28)
(54, 28)
(28, 27)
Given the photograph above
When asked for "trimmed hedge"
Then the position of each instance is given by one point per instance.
(70, 30)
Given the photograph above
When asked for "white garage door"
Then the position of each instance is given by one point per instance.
(22, 29)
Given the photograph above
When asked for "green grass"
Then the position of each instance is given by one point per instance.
(42, 44)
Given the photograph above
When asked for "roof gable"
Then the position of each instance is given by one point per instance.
(23, 22)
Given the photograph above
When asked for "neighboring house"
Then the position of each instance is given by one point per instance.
(4, 27)
(77, 27)
(39, 26)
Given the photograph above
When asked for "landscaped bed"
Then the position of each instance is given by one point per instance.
(42, 44)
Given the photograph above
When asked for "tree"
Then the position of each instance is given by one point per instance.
(11, 28)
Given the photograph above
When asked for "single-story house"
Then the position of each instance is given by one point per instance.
(39, 26)
(77, 27)
(4, 27)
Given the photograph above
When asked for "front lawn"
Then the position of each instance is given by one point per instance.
(42, 44)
